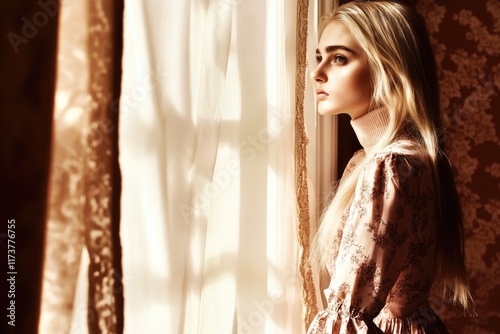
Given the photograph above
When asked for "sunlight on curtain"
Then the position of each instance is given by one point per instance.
(82, 289)
(206, 150)
(63, 303)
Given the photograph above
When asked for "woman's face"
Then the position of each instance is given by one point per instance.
(342, 76)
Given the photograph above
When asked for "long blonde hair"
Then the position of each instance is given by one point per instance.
(403, 74)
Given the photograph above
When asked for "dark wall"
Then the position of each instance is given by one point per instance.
(27, 74)
(466, 40)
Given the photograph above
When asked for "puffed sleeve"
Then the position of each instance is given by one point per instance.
(386, 214)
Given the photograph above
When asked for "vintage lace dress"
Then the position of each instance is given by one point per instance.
(384, 269)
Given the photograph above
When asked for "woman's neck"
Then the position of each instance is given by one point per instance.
(371, 127)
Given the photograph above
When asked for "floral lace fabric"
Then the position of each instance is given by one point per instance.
(422, 321)
(384, 268)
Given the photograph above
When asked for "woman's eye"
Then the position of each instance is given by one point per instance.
(339, 59)
(319, 59)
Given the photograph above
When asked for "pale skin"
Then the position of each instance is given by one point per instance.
(342, 76)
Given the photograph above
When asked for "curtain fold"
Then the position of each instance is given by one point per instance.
(207, 108)
(101, 184)
(301, 174)
(65, 229)
(83, 206)
(206, 150)
(316, 153)
(207, 120)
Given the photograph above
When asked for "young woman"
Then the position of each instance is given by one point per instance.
(394, 227)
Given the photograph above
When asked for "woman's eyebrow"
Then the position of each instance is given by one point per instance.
(331, 48)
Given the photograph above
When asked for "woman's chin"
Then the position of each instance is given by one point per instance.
(325, 111)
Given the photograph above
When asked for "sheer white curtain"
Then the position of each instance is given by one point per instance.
(206, 150)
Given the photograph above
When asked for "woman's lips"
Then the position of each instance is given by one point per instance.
(320, 94)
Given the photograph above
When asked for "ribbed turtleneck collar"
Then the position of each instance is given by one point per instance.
(370, 127)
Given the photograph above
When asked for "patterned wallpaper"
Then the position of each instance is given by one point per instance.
(466, 40)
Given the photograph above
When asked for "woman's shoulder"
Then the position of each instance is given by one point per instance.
(404, 148)
(398, 175)
(401, 158)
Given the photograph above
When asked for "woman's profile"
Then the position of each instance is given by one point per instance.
(394, 227)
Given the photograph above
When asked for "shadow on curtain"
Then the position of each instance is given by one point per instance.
(208, 227)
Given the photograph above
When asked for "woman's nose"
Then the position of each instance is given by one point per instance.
(318, 75)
